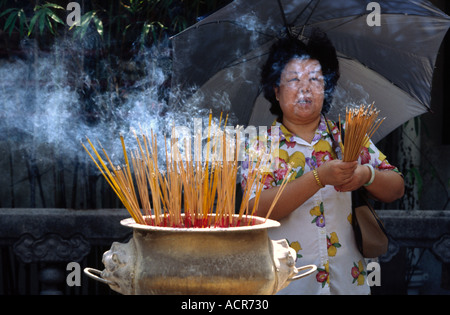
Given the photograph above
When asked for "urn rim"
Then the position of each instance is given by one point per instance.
(261, 223)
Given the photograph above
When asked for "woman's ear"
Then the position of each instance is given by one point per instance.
(276, 89)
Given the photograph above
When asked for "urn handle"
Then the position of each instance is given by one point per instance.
(96, 275)
(312, 268)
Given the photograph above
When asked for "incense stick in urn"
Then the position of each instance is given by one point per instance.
(360, 125)
(205, 190)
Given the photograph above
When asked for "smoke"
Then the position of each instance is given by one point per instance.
(348, 94)
(51, 101)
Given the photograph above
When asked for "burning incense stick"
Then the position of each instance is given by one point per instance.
(360, 125)
(206, 191)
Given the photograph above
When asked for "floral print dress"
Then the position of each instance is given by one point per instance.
(320, 229)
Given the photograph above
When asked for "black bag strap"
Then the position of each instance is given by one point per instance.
(335, 144)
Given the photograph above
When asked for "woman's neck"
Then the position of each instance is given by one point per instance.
(305, 130)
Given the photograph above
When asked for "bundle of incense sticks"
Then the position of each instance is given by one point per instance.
(205, 191)
(360, 125)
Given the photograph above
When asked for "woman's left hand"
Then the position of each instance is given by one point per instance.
(360, 176)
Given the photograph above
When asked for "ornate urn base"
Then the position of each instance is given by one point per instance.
(229, 261)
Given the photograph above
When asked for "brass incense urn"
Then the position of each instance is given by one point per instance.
(205, 261)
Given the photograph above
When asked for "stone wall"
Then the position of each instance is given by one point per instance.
(418, 260)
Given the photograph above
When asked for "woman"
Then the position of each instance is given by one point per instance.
(315, 208)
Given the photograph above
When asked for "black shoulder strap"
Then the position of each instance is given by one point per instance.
(330, 134)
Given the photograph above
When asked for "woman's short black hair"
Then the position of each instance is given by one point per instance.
(319, 48)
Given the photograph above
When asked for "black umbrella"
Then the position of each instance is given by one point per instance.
(391, 64)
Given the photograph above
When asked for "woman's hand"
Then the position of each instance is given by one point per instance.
(337, 172)
(361, 176)
(386, 187)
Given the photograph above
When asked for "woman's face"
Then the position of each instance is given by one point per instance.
(301, 90)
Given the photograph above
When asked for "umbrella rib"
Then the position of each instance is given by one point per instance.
(218, 22)
(308, 18)
(283, 16)
(312, 11)
(246, 60)
(301, 12)
(354, 17)
(351, 18)
(342, 56)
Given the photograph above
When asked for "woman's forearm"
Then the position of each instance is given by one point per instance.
(334, 172)
(387, 186)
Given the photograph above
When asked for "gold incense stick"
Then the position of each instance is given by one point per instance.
(206, 191)
(360, 125)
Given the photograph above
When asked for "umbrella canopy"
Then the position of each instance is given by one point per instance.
(392, 64)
